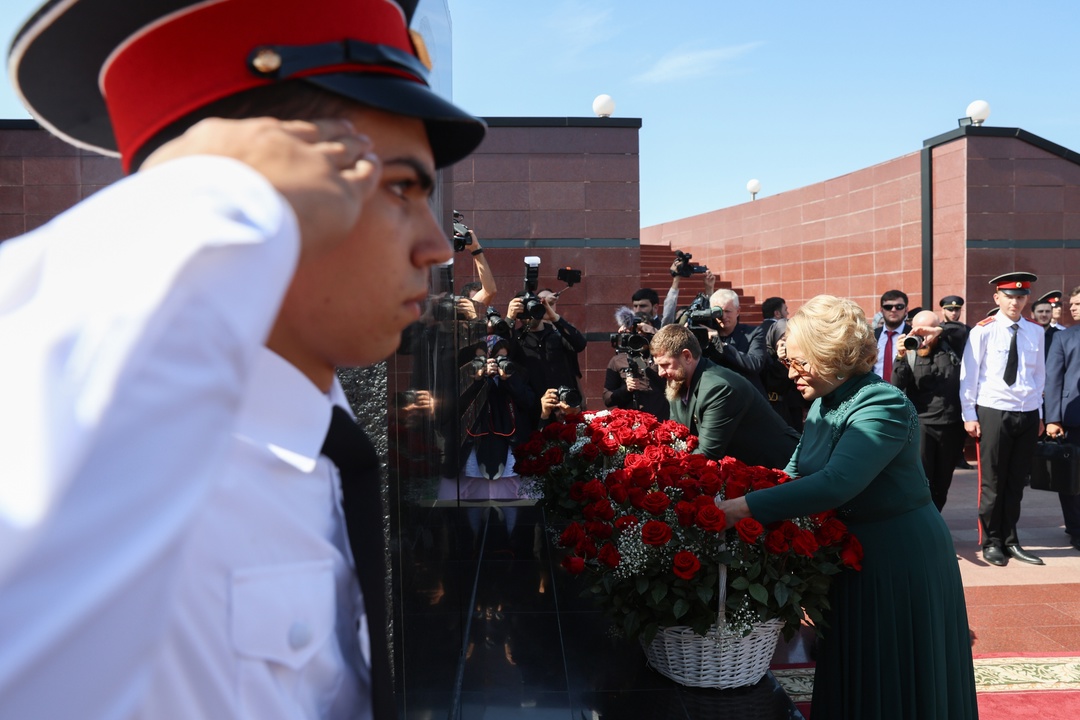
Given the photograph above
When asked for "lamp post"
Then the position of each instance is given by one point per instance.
(603, 106)
(754, 187)
(977, 112)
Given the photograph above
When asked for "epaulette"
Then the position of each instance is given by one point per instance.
(984, 321)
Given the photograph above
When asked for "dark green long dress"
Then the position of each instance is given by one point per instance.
(898, 644)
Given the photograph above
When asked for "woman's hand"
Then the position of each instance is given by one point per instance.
(734, 510)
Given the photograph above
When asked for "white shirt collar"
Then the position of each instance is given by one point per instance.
(284, 412)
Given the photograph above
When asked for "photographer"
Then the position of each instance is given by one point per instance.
(631, 381)
(483, 292)
(927, 369)
(735, 345)
(554, 407)
(549, 345)
(680, 268)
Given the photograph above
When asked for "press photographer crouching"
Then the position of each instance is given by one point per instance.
(631, 381)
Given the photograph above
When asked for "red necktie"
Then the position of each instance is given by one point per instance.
(886, 365)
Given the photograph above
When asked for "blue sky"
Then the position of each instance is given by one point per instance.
(790, 93)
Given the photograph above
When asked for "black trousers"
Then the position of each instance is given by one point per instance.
(939, 446)
(1070, 504)
(1006, 449)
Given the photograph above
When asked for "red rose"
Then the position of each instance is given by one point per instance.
(624, 435)
(553, 431)
(685, 565)
(553, 455)
(594, 490)
(852, 554)
(598, 529)
(790, 529)
(777, 543)
(633, 460)
(711, 518)
(709, 482)
(691, 443)
(655, 532)
(572, 535)
(608, 445)
(635, 495)
(749, 530)
(573, 565)
(685, 512)
(532, 447)
(804, 543)
(642, 476)
(577, 491)
(688, 488)
(655, 503)
(624, 522)
(831, 532)
(654, 453)
(599, 510)
(609, 555)
(640, 435)
(568, 434)
(590, 452)
(618, 494)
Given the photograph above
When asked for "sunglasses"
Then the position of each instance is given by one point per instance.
(801, 366)
(897, 306)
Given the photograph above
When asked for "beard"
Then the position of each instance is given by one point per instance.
(676, 387)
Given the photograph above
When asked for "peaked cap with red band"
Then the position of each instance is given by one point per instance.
(1014, 283)
(108, 75)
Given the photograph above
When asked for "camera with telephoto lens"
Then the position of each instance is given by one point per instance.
(914, 342)
(701, 315)
(462, 238)
(532, 306)
(505, 365)
(496, 324)
(685, 268)
(479, 365)
(569, 396)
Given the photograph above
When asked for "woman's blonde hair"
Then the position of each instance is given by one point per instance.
(834, 336)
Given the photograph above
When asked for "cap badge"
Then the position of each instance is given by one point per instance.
(266, 61)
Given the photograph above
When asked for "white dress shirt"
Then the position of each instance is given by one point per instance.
(983, 370)
(167, 549)
(879, 364)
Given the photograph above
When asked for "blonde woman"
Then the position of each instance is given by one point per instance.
(897, 643)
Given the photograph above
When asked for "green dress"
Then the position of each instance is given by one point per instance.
(897, 643)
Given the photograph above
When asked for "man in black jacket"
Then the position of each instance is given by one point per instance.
(736, 345)
(929, 374)
(894, 304)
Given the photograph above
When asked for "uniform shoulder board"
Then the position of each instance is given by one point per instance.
(984, 321)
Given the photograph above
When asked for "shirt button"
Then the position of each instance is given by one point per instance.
(299, 635)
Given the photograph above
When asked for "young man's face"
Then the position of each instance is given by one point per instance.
(349, 305)
(1042, 313)
(645, 307)
(894, 311)
(1074, 307)
(1010, 305)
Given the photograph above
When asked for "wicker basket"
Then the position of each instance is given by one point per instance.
(719, 659)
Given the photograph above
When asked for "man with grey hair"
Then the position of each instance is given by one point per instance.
(735, 345)
(927, 369)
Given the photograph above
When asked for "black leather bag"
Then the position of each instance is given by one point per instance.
(1056, 467)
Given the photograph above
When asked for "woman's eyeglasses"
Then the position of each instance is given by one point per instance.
(801, 366)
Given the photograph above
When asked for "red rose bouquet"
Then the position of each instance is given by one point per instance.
(642, 527)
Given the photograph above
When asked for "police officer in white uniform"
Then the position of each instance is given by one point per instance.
(177, 538)
(1001, 386)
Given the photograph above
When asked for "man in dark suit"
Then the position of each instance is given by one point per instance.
(1062, 406)
(726, 412)
(894, 305)
(1042, 312)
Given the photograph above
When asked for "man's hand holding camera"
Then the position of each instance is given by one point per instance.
(919, 339)
(553, 401)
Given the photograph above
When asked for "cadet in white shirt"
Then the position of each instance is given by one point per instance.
(172, 539)
(1001, 386)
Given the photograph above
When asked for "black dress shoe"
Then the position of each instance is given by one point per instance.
(993, 555)
(963, 465)
(1075, 542)
(1023, 555)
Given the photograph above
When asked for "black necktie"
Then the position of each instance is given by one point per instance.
(353, 454)
(1014, 357)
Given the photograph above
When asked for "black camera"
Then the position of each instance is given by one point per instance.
(626, 342)
(914, 342)
(635, 366)
(569, 396)
(533, 307)
(462, 238)
(479, 365)
(685, 268)
(505, 365)
(701, 315)
(496, 324)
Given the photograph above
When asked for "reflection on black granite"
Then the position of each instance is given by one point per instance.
(501, 632)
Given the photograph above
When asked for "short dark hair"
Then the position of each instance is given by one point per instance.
(471, 288)
(1074, 292)
(771, 306)
(671, 340)
(1039, 302)
(646, 294)
(894, 295)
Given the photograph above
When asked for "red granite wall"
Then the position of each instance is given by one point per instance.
(41, 176)
(857, 236)
(567, 193)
